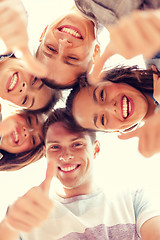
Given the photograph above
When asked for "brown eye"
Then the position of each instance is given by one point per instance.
(34, 80)
(102, 95)
(33, 141)
(51, 49)
(25, 100)
(102, 120)
(29, 120)
(73, 58)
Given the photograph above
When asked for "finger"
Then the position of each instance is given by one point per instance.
(125, 136)
(50, 173)
(95, 75)
(31, 64)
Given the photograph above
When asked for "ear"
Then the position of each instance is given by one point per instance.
(44, 150)
(43, 34)
(96, 148)
(97, 52)
(95, 57)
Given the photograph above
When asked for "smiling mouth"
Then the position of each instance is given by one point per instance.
(71, 30)
(68, 169)
(126, 107)
(13, 81)
(15, 136)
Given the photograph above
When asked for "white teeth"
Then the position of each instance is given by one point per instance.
(15, 136)
(125, 112)
(129, 107)
(68, 169)
(13, 82)
(71, 31)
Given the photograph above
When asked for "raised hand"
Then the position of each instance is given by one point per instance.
(33, 208)
(137, 33)
(148, 134)
(13, 31)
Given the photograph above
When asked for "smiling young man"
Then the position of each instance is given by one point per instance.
(67, 47)
(81, 210)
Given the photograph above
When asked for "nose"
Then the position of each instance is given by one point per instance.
(23, 87)
(25, 132)
(66, 156)
(111, 107)
(63, 44)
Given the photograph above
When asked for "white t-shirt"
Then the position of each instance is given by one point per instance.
(96, 216)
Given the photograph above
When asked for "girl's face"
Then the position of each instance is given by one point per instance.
(26, 135)
(109, 106)
(20, 87)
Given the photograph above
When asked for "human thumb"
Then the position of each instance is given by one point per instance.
(50, 173)
(31, 64)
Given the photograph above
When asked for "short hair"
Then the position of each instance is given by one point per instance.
(56, 96)
(16, 161)
(51, 82)
(61, 115)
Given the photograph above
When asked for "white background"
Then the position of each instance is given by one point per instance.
(119, 164)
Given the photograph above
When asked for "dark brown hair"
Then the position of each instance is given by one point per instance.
(140, 79)
(61, 115)
(16, 161)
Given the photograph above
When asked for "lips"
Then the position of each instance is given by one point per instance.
(15, 136)
(68, 168)
(127, 107)
(71, 30)
(12, 82)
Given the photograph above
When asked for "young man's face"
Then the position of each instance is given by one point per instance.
(67, 47)
(73, 153)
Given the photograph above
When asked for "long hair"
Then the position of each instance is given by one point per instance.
(16, 161)
(140, 79)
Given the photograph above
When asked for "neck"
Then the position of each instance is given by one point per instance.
(83, 189)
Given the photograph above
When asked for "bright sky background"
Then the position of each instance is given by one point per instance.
(119, 164)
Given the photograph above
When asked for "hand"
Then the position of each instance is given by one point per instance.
(137, 33)
(33, 208)
(13, 31)
(148, 134)
(156, 85)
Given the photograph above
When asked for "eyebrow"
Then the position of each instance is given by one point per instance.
(72, 140)
(94, 95)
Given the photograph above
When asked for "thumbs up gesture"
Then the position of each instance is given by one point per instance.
(13, 32)
(33, 208)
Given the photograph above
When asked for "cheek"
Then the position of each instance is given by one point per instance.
(25, 146)
(51, 155)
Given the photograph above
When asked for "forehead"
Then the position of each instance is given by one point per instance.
(57, 132)
(84, 95)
